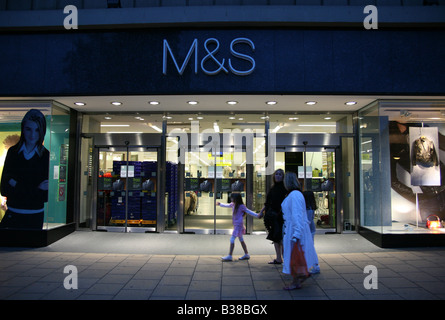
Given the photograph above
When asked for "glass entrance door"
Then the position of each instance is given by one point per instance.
(127, 189)
(230, 177)
(346, 186)
(319, 177)
(211, 177)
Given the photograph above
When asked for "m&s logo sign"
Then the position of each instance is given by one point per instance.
(218, 64)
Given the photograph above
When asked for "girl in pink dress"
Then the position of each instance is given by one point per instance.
(238, 212)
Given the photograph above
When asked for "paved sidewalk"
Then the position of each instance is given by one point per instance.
(179, 273)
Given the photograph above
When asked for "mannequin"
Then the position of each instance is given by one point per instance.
(237, 186)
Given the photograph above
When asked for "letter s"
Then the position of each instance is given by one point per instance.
(242, 56)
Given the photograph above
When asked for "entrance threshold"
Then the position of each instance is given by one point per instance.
(209, 231)
(229, 231)
(326, 231)
(123, 229)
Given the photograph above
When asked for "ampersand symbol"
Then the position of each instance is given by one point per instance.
(211, 55)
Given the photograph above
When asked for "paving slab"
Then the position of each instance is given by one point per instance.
(188, 267)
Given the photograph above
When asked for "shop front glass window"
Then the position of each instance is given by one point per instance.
(59, 125)
(402, 166)
(314, 123)
(215, 165)
(122, 123)
(371, 170)
(259, 179)
(33, 164)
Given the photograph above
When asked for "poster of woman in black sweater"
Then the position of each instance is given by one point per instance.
(24, 180)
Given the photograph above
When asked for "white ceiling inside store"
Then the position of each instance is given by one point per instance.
(211, 103)
(140, 114)
(248, 103)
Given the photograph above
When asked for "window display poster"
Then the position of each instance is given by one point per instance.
(32, 171)
(424, 156)
(8, 139)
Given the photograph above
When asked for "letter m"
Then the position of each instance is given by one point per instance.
(167, 50)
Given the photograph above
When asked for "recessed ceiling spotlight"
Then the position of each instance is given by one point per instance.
(350, 103)
(116, 103)
(232, 118)
(271, 103)
(154, 103)
(80, 103)
(293, 118)
(327, 118)
(311, 103)
(107, 118)
(232, 103)
(192, 102)
(199, 117)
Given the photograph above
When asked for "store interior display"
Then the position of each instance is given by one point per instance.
(425, 170)
(202, 189)
(320, 178)
(205, 183)
(171, 192)
(410, 156)
(415, 146)
(134, 181)
(259, 185)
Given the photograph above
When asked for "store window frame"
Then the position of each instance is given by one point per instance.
(165, 121)
(386, 130)
(345, 127)
(60, 141)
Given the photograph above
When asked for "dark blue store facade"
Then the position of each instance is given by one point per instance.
(295, 61)
(218, 61)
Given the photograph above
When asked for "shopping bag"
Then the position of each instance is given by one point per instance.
(298, 264)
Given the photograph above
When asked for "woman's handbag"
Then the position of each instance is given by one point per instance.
(433, 222)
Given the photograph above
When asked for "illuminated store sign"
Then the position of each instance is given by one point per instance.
(211, 56)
